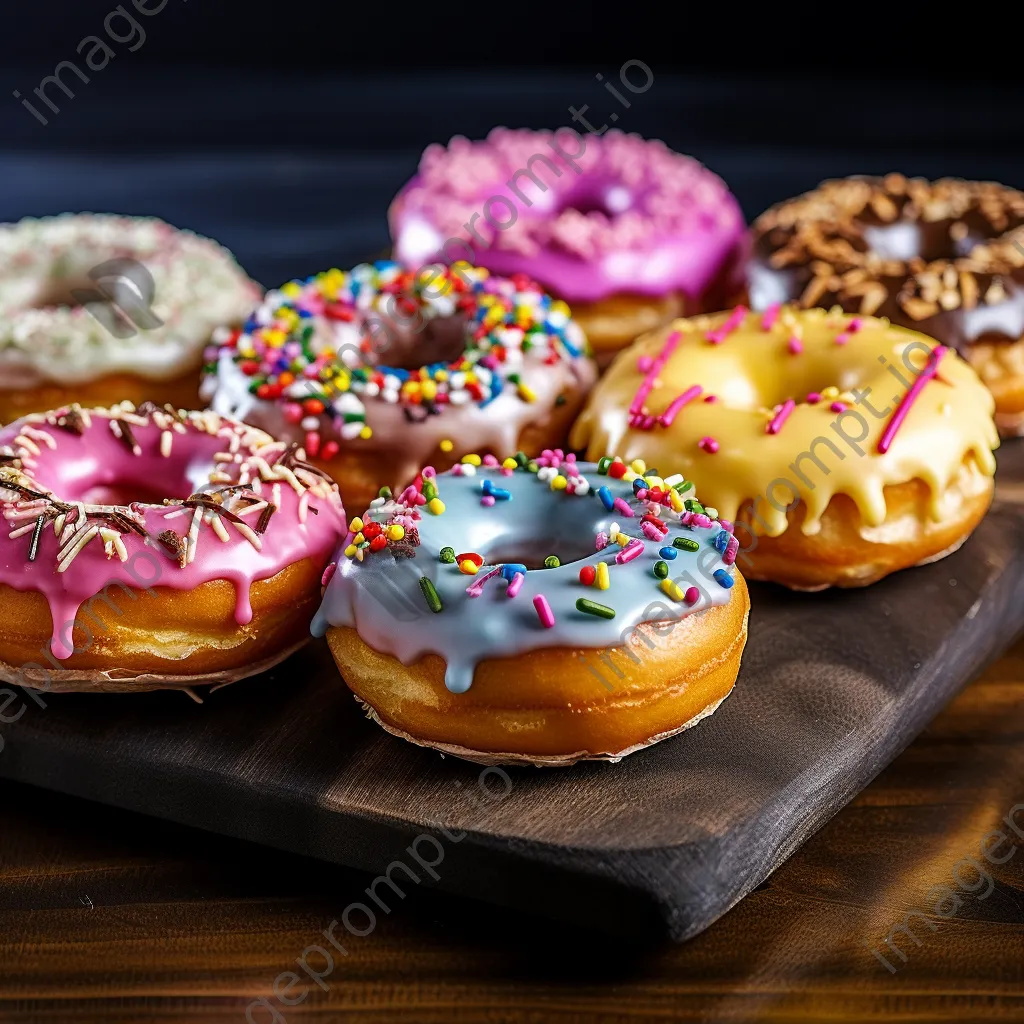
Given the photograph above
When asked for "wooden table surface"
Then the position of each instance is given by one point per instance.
(108, 916)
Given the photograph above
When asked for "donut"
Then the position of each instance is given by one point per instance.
(146, 548)
(537, 610)
(846, 447)
(379, 370)
(943, 257)
(101, 309)
(629, 233)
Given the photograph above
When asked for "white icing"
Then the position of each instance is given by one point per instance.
(197, 287)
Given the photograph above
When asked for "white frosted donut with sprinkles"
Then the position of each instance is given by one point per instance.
(379, 370)
(541, 610)
(147, 548)
(96, 309)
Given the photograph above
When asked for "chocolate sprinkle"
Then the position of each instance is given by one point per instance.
(174, 546)
(72, 421)
(31, 495)
(124, 433)
(292, 461)
(123, 522)
(210, 502)
(261, 526)
(147, 409)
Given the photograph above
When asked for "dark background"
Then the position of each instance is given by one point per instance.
(284, 129)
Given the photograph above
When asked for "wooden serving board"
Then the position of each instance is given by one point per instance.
(832, 687)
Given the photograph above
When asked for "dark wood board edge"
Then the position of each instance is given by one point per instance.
(517, 875)
(679, 890)
(683, 888)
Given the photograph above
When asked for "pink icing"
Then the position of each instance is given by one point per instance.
(652, 369)
(668, 416)
(174, 455)
(612, 213)
(778, 420)
(771, 314)
(908, 400)
(735, 318)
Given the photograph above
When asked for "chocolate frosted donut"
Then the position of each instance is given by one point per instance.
(945, 258)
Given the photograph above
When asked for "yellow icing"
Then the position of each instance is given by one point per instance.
(815, 454)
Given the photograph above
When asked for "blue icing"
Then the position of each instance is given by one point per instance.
(381, 597)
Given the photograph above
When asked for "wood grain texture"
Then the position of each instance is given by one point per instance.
(186, 926)
(832, 687)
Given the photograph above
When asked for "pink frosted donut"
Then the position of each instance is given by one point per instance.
(147, 548)
(626, 231)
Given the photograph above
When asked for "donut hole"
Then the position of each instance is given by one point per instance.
(736, 388)
(589, 204)
(532, 552)
(57, 292)
(945, 239)
(123, 492)
(105, 479)
(402, 347)
(610, 200)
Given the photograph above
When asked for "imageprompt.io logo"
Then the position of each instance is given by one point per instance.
(122, 301)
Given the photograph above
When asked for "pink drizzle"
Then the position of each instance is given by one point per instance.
(671, 343)
(780, 417)
(902, 410)
(717, 336)
(677, 403)
(771, 314)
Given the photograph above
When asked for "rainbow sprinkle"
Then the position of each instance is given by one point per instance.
(782, 414)
(654, 511)
(544, 612)
(314, 345)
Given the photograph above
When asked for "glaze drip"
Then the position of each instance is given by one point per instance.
(419, 574)
(856, 405)
(243, 507)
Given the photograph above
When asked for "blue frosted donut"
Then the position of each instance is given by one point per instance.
(525, 563)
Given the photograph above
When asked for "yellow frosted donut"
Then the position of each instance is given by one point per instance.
(848, 448)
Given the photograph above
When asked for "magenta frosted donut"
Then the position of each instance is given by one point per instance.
(628, 232)
(148, 548)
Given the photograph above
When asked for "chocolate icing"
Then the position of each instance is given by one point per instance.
(945, 258)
